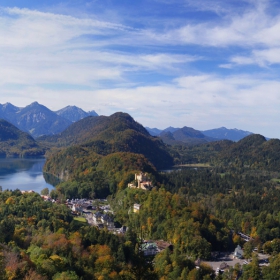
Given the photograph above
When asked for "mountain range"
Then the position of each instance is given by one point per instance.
(113, 140)
(37, 120)
(188, 135)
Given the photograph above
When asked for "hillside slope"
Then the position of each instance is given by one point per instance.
(15, 143)
(116, 133)
(39, 120)
(253, 151)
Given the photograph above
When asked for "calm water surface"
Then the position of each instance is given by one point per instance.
(23, 174)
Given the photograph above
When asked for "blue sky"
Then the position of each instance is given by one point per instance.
(202, 64)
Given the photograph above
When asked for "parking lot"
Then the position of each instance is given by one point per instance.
(224, 257)
(229, 260)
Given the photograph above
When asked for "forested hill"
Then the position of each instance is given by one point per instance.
(253, 151)
(15, 143)
(116, 133)
(88, 128)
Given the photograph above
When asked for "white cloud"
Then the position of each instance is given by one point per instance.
(254, 26)
(32, 29)
(262, 58)
(40, 48)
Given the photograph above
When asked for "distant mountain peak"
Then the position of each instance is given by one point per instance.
(38, 120)
(35, 103)
(7, 104)
(121, 115)
(225, 133)
(74, 113)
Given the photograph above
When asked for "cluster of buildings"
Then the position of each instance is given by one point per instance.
(142, 181)
(101, 219)
(79, 206)
(100, 216)
(105, 220)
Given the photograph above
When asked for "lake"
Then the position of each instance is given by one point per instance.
(23, 174)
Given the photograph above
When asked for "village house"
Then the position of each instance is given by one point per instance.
(107, 220)
(238, 252)
(121, 230)
(136, 207)
(96, 217)
(149, 248)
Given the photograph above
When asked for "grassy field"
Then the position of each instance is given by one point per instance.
(276, 180)
(80, 219)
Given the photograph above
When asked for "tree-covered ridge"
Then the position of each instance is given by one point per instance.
(15, 143)
(204, 153)
(253, 151)
(117, 133)
(88, 174)
(88, 128)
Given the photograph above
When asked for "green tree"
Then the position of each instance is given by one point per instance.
(248, 249)
(45, 191)
(3, 275)
(252, 270)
